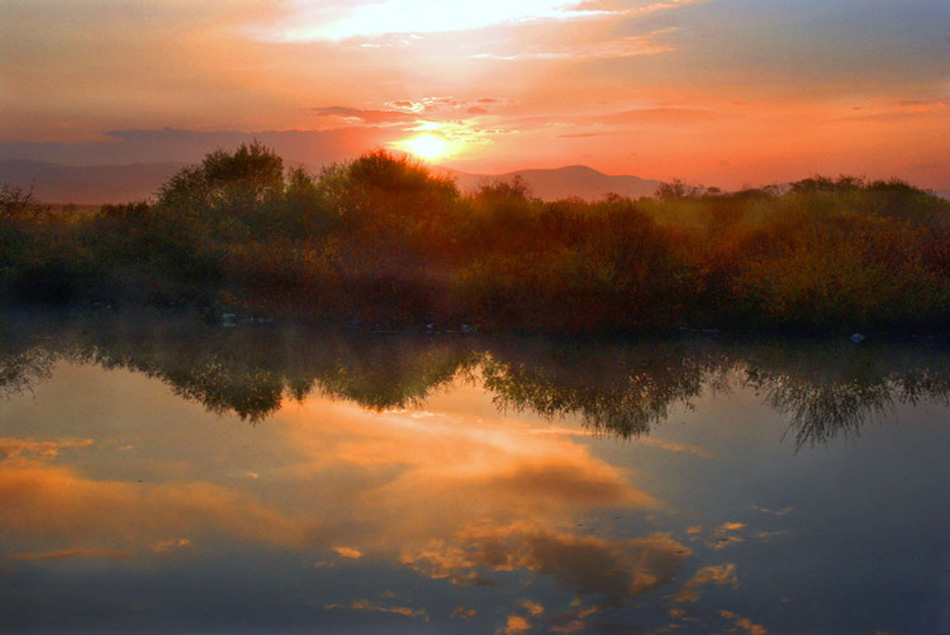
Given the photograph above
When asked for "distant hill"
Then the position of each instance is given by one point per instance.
(87, 184)
(97, 184)
(574, 180)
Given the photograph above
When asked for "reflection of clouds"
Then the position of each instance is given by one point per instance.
(780, 512)
(42, 503)
(515, 624)
(670, 446)
(452, 496)
(533, 608)
(366, 605)
(611, 569)
(718, 575)
(460, 499)
(167, 546)
(745, 624)
(10, 448)
(463, 613)
(72, 553)
(429, 479)
(734, 526)
(348, 553)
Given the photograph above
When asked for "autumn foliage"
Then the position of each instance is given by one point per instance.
(382, 242)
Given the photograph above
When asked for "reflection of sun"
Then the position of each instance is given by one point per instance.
(427, 147)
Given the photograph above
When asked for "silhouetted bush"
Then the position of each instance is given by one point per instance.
(383, 243)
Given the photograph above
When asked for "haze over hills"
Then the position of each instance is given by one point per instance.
(98, 184)
(87, 184)
(575, 180)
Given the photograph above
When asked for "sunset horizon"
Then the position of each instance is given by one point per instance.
(511, 317)
(720, 92)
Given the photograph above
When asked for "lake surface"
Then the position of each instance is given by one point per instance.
(166, 475)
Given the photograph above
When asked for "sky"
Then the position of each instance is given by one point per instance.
(728, 93)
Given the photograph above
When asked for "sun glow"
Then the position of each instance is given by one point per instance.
(316, 21)
(428, 147)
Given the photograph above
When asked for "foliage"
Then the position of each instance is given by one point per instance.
(384, 243)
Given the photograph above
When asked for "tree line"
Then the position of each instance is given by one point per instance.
(382, 242)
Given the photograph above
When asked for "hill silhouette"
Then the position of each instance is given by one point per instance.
(570, 181)
(97, 184)
(87, 184)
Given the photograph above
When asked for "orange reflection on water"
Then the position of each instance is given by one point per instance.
(456, 493)
(456, 497)
(57, 507)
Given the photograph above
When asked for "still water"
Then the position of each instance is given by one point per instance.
(164, 475)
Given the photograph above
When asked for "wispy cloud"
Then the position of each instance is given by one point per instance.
(720, 575)
(629, 46)
(340, 21)
(72, 553)
(366, 605)
(357, 115)
(10, 448)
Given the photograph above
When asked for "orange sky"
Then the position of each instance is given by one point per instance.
(720, 92)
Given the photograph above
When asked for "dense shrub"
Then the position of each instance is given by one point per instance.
(384, 243)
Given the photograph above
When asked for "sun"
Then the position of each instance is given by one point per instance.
(427, 147)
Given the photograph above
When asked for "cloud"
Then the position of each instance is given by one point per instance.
(10, 448)
(670, 114)
(745, 624)
(463, 613)
(532, 608)
(363, 116)
(349, 553)
(629, 46)
(731, 527)
(515, 624)
(167, 546)
(65, 554)
(775, 512)
(313, 22)
(672, 446)
(719, 575)
(366, 605)
(612, 570)
(634, 7)
(43, 504)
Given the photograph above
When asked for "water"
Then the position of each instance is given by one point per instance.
(162, 475)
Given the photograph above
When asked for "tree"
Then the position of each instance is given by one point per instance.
(226, 183)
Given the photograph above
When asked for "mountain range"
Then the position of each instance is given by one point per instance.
(98, 184)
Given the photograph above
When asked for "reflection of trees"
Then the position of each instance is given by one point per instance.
(393, 373)
(620, 388)
(831, 389)
(246, 371)
(19, 371)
